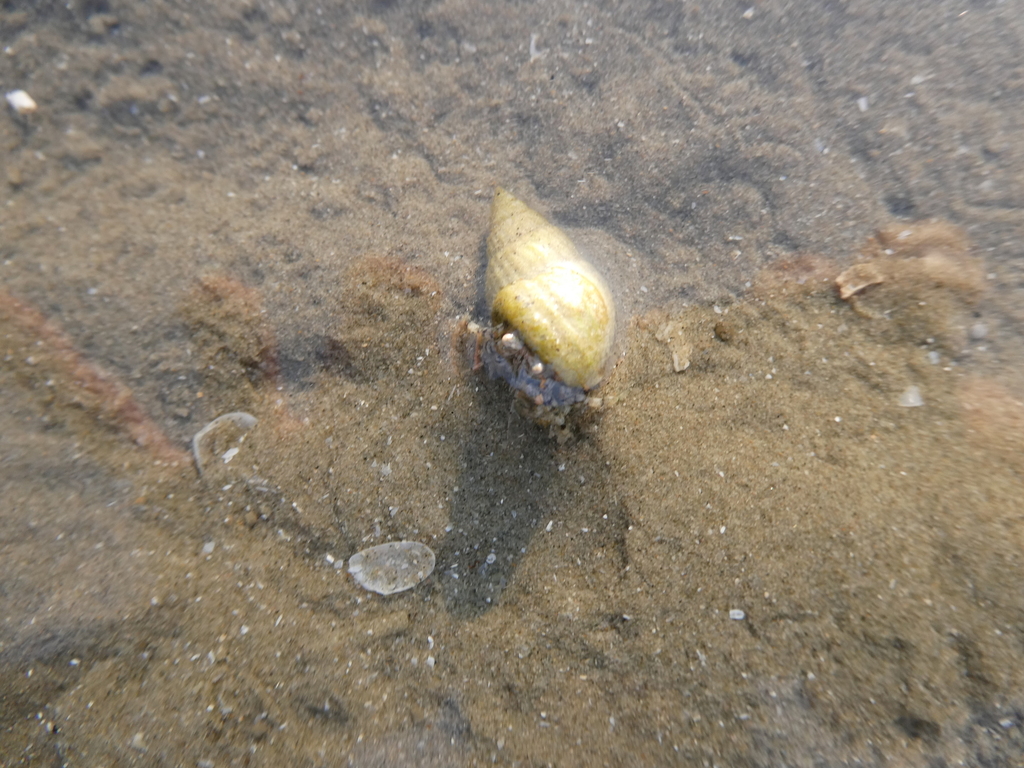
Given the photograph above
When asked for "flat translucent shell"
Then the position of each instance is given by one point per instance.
(538, 284)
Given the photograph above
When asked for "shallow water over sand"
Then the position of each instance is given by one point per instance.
(282, 210)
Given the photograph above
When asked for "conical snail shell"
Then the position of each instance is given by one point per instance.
(538, 284)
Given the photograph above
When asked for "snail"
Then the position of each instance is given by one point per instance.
(552, 314)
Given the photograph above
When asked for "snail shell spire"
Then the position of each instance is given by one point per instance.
(538, 284)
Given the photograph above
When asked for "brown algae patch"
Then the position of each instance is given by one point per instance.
(921, 279)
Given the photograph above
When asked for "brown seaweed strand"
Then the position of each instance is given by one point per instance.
(99, 391)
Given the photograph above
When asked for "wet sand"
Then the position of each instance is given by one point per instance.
(282, 210)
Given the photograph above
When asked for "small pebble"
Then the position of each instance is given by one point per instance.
(978, 331)
(21, 102)
(392, 567)
(101, 23)
(911, 397)
(737, 615)
(235, 424)
(138, 742)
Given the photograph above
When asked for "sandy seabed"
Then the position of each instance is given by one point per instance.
(281, 208)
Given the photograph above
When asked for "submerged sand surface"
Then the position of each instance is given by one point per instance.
(280, 208)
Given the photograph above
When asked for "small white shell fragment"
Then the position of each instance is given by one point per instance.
(858, 278)
(737, 615)
(392, 567)
(138, 742)
(21, 102)
(911, 397)
(241, 420)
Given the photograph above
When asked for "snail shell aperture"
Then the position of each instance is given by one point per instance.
(553, 314)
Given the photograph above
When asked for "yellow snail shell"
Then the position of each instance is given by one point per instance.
(538, 286)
